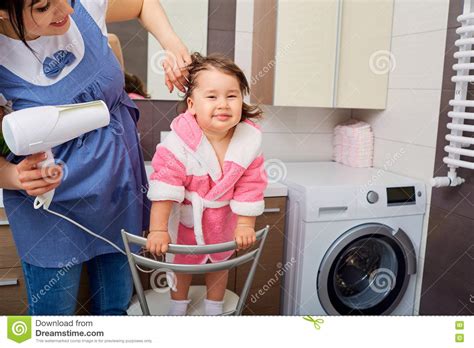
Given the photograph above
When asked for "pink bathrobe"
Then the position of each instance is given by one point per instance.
(208, 198)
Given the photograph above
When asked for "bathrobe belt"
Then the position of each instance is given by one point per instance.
(199, 204)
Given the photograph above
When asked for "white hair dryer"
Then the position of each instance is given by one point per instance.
(39, 129)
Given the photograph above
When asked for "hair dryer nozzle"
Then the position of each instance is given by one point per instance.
(38, 129)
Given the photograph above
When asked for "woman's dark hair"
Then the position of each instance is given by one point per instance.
(14, 9)
(225, 65)
(133, 84)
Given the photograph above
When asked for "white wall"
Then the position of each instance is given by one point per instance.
(290, 133)
(407, 128)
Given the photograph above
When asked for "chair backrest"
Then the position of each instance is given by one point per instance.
(253, 255)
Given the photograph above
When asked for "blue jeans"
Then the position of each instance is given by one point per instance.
(53, 291)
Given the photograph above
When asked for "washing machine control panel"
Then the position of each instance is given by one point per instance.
(401, 195)
(406, 195)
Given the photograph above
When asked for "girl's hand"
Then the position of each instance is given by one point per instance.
(157, 242)
(175, 63)
(245, 237)
(37, 181)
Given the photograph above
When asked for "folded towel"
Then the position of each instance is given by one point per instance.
(353, 144)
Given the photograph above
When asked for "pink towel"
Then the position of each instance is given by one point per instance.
(353, 144)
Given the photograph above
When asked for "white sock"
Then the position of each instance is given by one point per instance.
(213, 307)
(178, 307)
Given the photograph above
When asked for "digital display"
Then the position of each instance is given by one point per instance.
(401, 195)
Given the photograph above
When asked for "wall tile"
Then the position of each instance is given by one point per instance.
(411, 116)
(244, 16)
(448, 278)
(297, 147)
(155, 117)
(243, 53)
(222, 15)
(455, 9)
(220, 41)
(403, 158)
(419, 60)
(302, 120)
(411, 17)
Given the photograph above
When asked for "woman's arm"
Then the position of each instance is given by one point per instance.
(114, 43)
(154, 20)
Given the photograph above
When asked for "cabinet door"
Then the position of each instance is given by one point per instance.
(13, 299)
(264, 297)
(364, 54)
(8, 253)
(306, 38)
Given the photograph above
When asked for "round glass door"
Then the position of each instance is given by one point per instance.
(364, 275)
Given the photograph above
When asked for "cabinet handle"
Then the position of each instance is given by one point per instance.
(6, 282)
(271, 210)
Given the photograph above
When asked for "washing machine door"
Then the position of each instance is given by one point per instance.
(366, 271)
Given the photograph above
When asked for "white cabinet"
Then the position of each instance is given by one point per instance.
(306, 40)
(322, 53)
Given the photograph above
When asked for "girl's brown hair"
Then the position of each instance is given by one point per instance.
(225, 65)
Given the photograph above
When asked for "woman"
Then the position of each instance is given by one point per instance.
(55, 52)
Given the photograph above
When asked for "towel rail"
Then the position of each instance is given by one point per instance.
(459, 136)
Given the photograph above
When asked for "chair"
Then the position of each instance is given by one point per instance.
(160, 300)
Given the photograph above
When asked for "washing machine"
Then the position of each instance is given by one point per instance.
(353, 240)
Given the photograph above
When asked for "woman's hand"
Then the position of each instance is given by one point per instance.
(154, 20)
(175, 63)
(37, 181)
(157, 242)
(244, 236)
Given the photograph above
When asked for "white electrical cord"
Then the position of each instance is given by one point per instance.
(85, 229)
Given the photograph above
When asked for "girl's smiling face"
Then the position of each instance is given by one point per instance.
(43, 18)
(216, 101)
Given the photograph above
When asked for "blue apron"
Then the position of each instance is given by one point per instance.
(104, 186)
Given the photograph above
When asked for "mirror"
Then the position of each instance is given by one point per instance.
(143, 54)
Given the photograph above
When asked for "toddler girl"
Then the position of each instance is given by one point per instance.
(208, 181)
